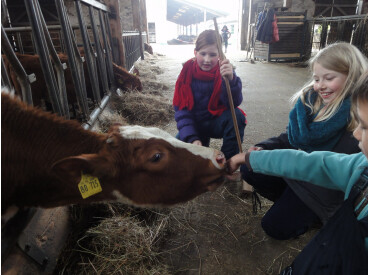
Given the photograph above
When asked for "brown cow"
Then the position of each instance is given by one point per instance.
(31, 64)
(44, 157)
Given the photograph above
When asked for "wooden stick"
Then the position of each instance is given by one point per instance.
(231, 103)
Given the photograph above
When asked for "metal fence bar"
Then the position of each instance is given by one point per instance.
(97, 111)
(141, 41)
(20, 45)
(342, 28)
(5, 81)
(96, 4)
(79, 58)
(104, 58)
(49, 27)
(108, 50)
(42, 51)
(23, 79)
(73, 59)
(131, 43)
(128, 37)
(99, 51)
(91, 67)
(336, 18)
(59, 68)
(358, 38)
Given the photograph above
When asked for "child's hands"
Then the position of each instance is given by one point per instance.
(254, 148)
(226, 69)
(234, 162)
(197, 142)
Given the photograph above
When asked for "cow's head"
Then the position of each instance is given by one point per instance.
(126, 80)
(147, 167)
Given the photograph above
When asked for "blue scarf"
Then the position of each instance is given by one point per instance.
(310, 136)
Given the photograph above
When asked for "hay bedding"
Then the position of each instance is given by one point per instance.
(143, 109)
(120, 240)
(146, 108)
(121, 245)
(147, 73)
(147, 68)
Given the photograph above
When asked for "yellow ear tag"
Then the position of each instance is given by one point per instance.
(89, 186)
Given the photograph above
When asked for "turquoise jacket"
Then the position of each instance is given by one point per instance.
(326, 169)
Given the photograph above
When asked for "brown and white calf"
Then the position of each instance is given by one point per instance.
(44, 157)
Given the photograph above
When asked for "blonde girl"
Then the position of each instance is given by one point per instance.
(342, 58)
(321, 120)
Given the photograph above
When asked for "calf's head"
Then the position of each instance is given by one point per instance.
(147, 167)
(126, 80)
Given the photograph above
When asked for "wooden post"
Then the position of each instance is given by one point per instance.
(118, 48)
(231, 103)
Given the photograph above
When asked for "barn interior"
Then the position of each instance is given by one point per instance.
(115, 32)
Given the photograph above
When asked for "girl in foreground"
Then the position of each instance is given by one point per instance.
(340, 247)
(320, 121)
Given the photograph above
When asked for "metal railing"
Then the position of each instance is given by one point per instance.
(327, 30)
(57, 38)
(133, 47)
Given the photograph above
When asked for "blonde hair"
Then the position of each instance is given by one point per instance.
(206, 38)
(341, 57)
(360, 91)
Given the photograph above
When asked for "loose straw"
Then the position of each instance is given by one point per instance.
(231, 103)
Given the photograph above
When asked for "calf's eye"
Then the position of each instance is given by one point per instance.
(156, 157)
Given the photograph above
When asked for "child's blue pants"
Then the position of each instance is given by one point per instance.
(223, 127)
(289, 217)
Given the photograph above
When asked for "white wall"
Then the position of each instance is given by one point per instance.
(157, 12)
(166, 30)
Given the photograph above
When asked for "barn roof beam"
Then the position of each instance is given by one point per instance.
(187, 13)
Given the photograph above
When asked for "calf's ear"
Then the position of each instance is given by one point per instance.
(69, 169)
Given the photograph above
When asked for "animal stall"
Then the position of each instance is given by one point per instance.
(292, 29)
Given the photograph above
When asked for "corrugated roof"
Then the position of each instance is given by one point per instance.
(186, 13)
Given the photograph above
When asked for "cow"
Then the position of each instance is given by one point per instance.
(48, 161)
(148, 48)
(31, 64)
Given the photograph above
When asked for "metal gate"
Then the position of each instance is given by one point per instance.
(48, 40)
(133, 43)
(327, 30)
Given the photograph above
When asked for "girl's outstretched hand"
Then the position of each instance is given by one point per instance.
(226, 69)
(234, 162)
(255, 148)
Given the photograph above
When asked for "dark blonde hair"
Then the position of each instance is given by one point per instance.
(340, 57)
(206, 38)
(360, 91)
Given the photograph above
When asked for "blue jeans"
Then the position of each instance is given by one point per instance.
(222, 127)
(289, 217)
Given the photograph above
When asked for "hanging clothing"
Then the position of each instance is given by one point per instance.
(275, 30)
(267, 31)
(260, 18)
